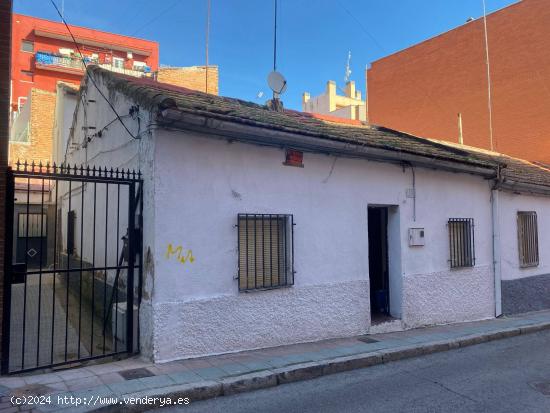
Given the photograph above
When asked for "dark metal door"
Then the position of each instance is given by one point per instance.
(74, 238)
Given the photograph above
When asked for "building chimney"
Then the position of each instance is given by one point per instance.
(331, 88)
(350, 89)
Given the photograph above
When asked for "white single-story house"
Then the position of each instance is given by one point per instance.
(265, 228)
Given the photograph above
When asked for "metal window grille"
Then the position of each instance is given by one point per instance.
(266, 253)
(528, 239)
(461, 242)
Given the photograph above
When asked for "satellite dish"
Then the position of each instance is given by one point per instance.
(276, 82)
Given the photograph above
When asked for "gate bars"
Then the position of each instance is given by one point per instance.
(75, 302)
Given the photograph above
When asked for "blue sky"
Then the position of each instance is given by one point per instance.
(314, 36)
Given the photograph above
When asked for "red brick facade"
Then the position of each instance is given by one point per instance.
(193, 77)
(32, 35)
(40, 130)
(421, 89)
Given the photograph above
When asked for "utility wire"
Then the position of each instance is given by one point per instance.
(275, 40)
(362, 27)
(155, 18)
(206, 42)
(489, 94)
(91, 77)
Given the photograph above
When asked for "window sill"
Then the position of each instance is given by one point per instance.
(464, 267)
(528, 266)
(253, 290)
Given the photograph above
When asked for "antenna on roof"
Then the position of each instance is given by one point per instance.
(62, 9)
(275, 80)
(348, 69)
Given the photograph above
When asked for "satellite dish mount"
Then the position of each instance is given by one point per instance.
(277, 84)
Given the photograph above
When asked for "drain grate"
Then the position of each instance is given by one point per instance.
(135, 373)
(32, 390)
(367, 339)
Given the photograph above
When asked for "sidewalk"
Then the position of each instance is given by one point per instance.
(228, 374)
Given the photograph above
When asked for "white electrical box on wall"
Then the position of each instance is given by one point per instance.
(416, 237)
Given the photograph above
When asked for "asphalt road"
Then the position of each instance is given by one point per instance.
(508, 375)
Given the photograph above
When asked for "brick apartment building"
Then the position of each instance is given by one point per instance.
(44, 54)
(422, 89)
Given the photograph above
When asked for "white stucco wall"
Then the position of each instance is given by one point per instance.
(510, 205)
(202, 184)
(194, 188)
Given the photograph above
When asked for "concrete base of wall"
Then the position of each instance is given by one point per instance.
(260, 319)
(526, 294)
(451, 296)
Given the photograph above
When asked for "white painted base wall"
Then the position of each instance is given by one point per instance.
(260, 319)
(448, 297)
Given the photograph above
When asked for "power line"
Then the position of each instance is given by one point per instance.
(362, 27)
(206, 43)
(154, 18)
(275, 40)
(91, 77)
(489, 94)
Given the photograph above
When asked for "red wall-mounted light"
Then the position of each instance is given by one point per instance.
(294, 158)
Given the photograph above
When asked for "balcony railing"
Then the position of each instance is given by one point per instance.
(53, 61)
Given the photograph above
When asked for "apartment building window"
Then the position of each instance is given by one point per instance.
(118, 62)
(27, 46)
(266, 253)
(461, 242)
(140, 66)
(27, 76)
(22, 136)
(528, 239)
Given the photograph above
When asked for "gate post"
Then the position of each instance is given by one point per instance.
(131, 260)
(5, 112)
(8, 257)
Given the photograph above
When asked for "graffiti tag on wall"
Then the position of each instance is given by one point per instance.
(180, 254)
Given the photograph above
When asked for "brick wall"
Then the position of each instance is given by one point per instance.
(193, 77)
(421, 89)
(41, 123)
(5, 50)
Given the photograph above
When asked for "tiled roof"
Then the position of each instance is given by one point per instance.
(150, 93)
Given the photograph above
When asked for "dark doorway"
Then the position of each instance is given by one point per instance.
(378, 263)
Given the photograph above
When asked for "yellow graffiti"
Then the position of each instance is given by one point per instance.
(180, 254)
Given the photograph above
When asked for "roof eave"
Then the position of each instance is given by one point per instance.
(175, 118)
(523, 187)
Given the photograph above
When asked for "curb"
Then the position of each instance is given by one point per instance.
(305, 371)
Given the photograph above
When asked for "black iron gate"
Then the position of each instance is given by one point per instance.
(75, 248)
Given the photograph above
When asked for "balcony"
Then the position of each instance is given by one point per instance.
(73, 64)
